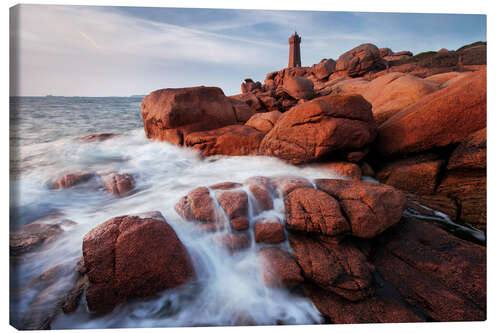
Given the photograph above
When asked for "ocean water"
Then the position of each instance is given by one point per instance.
(44, 147)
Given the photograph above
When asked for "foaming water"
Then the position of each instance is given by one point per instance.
(228, 289)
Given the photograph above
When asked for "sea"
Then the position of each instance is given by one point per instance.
(44, 144)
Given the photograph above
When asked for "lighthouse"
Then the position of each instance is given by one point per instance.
(294, 56)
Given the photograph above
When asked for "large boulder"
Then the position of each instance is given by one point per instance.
(470, 154)
(118, 184)
(390, 95)
(299, 87)
(439, 119)
(320, 127)
(324, 68)
(359, 60)
(197, 206)
(171, 114)
(250, 99)
(232, 140)
(133, 256)
(369, 207)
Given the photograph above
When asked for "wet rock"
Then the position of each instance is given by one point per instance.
(324, 68)
(72, 179)
(358, 61)
(299, 87)
(196, 206)
(337, 267)
(233, 140)
(269, 231)
(171, 114)
(436, 202)
(313, 211)
(265, 121)
(240, 223)
(279, 268)
(234, 203)
(99, 137)
(375, 309)
(37, 233)
(74, 295)
(118, 184)
(471, 153)
(225, 186)
(232, 241)
(321, 127)
(129, 256)
(444, 277)
(286, 184)
(369, 207)
(260, 187)
(444, 117)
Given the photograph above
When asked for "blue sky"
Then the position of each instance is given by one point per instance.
(119, 51)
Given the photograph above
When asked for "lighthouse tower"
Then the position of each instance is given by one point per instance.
(294, 57)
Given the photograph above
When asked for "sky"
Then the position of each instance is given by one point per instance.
(121, 51)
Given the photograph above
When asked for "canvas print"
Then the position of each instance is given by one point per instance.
(226, 167)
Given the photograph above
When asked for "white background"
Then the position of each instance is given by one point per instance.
(419, 6)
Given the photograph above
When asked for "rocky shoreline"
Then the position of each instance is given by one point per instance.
(363, 251)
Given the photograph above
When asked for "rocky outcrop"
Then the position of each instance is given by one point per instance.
(279, 268)
(343, 169)
(471, 153)
(269, 231)
(358, 61)
(299, 87)
(232, 140)
(133, 256)
(249, 86)
(171, 114)
(118, 184)
(314, 129)
(439, 119)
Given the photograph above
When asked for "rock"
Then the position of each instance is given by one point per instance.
(468, 187)
(99, 137)
(242, 111)
(271, 232)
(249, 86)
(443, 50)
(73, 297)
(324, 68)
(234, 203)
(37, 233)
(269, 102)
(129, 256)
(342, 169)
(313, 211)
(118, 184)
(299, 87)
(260, 187)
(240, 223)
(471, 153)
(442, 118)
(232, 140)
(344, 86)
(393, 96)
(72, 179)
(426, 204)
(385, 51)
(321, 127)
(444, 277)
(359, 60)
(278, 268)
(412, 175)
(196, 206)
(249, 99)
(367, 170)
(370, 207)
(225, 186)
(171, 114)
(283, 185)
(442, 78)
(337, 267)
(375, 309)
(356, 156)
(232, 241)
(265, 121)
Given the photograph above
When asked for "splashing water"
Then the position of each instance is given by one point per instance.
(228, 289)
